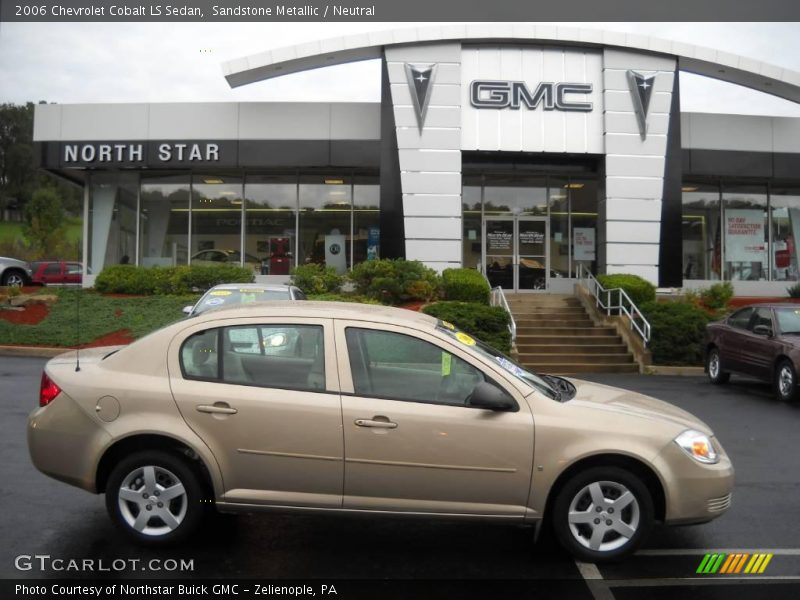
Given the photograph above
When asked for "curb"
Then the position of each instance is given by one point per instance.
(680, 371)
(32, 351)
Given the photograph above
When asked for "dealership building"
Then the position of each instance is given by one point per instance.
(528, 151)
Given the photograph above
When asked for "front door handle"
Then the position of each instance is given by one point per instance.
(220, 408)
(378, 424)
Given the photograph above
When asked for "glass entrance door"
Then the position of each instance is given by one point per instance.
(515, 253)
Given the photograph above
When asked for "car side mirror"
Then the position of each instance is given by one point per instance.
(489, 396)
(187, 310)
(763, 330)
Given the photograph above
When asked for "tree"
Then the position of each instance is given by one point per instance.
(44, 221)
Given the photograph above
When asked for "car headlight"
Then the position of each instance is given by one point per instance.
(698, 446)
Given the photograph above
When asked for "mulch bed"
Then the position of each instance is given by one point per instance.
(32, 315)
(115, 338)
(737, 302)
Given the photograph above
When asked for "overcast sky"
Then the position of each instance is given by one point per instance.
(166, 62)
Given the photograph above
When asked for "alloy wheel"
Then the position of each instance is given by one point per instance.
(786, 381)
(152, 500)
(603, 516)
(713, 365)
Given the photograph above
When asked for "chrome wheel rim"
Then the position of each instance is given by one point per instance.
(152, 500)
(604, 516)
(713, 365)
(14, 280)
(785, 381)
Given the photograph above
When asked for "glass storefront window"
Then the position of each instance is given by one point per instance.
(112, 219)
(583, 213)
(164, 221)
(271, 222)
(745, 230)
(471, 221)
(217, 221)
(785, 207)
(701, 230)
(558, 194)
(325, 221)
(366, 219)
(515, 195)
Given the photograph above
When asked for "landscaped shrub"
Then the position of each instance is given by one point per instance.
(130, 279)
(677, 332)
(329, 297)
(487, 323)
(466, 285)
(717, 296)
(394, 281)
(317, 279)
(639, 290)
(794, 290)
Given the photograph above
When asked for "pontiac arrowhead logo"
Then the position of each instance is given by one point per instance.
(420, 82)
(641, 91)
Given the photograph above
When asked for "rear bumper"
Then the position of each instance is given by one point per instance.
(65, 443)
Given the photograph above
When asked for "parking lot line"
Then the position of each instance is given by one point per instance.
(702, 551)
(594, 581)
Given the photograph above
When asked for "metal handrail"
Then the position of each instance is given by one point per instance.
(498, 298)
(624, 304)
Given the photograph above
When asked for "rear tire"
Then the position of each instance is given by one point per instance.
(785, 382)
(602, 514)
(714, 368)
(155, 497)
(14, 278)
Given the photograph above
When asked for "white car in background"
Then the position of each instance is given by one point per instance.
(14, 273)
(232, 294)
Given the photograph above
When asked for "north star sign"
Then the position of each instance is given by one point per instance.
(134, 152)
(515, 94)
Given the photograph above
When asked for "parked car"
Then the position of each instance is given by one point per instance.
(341, 408)
(231, 294)
(762, 341)
(215, 257)
(57, 272)
(14, 272)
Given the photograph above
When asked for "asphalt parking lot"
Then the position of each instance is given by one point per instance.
(40, 516)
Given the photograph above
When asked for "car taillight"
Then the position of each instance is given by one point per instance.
(47, 391)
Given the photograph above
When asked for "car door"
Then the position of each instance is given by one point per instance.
(759, 346)
(731, 338)
(73, 273)
(411, 442)
(264, 396)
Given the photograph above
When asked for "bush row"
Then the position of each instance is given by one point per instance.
(487, 323)
(130, 279)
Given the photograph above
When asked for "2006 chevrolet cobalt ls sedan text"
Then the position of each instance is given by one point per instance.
(353, 408)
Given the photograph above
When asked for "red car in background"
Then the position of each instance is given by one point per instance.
(57, 272)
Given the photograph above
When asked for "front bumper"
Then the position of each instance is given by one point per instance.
(694, 492)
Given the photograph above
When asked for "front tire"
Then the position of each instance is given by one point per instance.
(602, 514)
(155, 497)
(13, 278)
(785, 382)
(714, 368)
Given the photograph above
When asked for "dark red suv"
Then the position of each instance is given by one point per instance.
(57, 272)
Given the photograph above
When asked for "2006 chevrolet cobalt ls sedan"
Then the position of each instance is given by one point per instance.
(335, 407)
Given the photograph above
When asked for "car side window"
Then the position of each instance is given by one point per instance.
(279, 356)
(52, 269)
(199, 355)
(395, 366)
(73, 269)
(741, 318)
(761, 316)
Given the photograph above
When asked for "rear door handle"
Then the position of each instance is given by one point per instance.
(377, 424)
(220, 408)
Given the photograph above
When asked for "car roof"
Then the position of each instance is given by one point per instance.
(317, 309)
(271, 287)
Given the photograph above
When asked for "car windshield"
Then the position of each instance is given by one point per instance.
(508, 365)
(788, 320)
(231, 297)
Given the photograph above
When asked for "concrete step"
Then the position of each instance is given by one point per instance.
(562, 358)
(567, 303)
(570, 349)
(577, 368)
(548, 310)
(569, 340)
(565, 331)
(528, 322)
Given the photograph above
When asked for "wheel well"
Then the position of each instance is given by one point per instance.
(779, 359)
(14, 270)
(645, 473)
(136, 443)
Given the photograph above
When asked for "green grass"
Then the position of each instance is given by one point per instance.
(98, 317)
(10, 232)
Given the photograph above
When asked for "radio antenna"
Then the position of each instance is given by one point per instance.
(78, 330)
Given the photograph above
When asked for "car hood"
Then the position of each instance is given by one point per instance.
(606, 398)
(14, 262)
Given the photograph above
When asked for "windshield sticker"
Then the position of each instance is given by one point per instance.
(465, 339)
(448, 325)
(447, 363)
(252, 291)
(220, 293)
(215, 301)
(510, 366)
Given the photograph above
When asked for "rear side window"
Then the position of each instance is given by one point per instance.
(277, 356)
(52, 269)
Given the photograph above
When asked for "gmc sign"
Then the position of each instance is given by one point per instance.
(514, 94)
